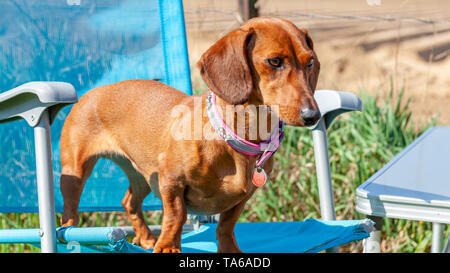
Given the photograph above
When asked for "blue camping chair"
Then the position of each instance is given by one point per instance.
(89, 44)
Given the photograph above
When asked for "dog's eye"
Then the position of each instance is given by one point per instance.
(310, 64)
(275, 62)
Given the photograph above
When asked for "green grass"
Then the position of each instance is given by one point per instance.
(359, 145)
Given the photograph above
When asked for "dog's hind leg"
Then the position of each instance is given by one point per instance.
(73, 177)
(132, 202)
(133, 205)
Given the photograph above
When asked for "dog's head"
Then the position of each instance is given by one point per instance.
(269, 59)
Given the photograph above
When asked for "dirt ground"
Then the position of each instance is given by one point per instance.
(365, 45)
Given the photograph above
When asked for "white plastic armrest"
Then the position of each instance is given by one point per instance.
(31, 99)
(333, 103)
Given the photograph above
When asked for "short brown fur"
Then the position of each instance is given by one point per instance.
(130, 122)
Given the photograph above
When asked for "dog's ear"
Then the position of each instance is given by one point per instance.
(308, 39)
(314, 75)
(225, 67)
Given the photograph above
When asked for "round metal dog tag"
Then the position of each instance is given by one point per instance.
(259, 177)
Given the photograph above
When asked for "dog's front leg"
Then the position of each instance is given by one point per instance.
(225, 229)
(174, 217)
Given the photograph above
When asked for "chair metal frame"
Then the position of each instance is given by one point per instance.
(39, 103)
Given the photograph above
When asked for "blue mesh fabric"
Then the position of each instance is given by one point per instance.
(88, 44)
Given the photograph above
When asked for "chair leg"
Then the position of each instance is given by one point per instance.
(373, 243)
(324, 174)
(438, 238)
(44, 174)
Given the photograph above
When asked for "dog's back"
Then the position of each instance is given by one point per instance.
(101, 122)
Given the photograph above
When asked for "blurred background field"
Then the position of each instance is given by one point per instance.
(393, 54)
(361, 44)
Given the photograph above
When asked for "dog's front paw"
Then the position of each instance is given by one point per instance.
(160, 248)
(145, 243)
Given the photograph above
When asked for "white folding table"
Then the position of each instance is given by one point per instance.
(414, 185)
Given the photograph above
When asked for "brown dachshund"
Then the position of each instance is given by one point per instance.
(267, 61)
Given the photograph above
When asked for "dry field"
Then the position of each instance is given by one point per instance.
(365, 45)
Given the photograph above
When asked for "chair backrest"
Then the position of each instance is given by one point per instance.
(88, 44)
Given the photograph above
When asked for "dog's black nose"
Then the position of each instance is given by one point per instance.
(309, 115)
